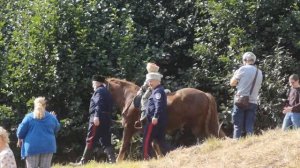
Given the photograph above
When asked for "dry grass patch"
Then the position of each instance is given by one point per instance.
(272, 149)
(93, 164)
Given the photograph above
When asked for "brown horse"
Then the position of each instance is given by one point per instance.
(188, 107)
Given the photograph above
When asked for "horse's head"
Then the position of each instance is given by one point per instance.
(123, 93)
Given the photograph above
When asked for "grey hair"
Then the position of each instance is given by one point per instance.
(294, 77)
(249, 57)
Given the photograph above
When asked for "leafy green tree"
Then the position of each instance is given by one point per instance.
(233, 27)
(53, 47)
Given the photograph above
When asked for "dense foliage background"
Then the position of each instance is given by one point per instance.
(53, 47)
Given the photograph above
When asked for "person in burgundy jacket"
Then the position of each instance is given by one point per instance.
(292, 108)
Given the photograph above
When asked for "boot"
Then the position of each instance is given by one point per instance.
(109, 151)
(84, 159)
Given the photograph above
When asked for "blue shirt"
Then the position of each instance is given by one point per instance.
(101, 102)
(157, 104)
(38, 134)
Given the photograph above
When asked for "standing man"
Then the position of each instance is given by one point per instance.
(145, 90)
(156, 115)
(243, 78)
(292, 109)
(100, 121)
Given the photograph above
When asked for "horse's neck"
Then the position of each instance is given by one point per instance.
(124, 95)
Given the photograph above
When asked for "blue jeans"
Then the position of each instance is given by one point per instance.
(243, 120)
(291, 120)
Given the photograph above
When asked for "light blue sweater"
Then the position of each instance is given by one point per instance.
(38, 134)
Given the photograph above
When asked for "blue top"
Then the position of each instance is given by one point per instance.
(157, 104)
(101, 102)
(38, 134)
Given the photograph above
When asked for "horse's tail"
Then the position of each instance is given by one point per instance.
(212, 126)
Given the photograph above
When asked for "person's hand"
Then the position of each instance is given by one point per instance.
(286, 109)
(53, 113)
(154, 121)
(96, 121)
(19, 143)
(139, 92)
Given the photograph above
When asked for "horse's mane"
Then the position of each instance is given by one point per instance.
(123, 82)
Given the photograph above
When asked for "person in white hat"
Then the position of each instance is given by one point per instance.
(145, 90)
(156, 116)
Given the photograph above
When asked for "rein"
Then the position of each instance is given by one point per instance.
(124, 114)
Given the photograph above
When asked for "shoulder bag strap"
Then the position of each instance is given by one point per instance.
(254, 80)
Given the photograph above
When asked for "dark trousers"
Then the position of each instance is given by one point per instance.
(99, 134)
(154, 132)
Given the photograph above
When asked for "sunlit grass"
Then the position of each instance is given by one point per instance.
(93, 164)
(274, 149)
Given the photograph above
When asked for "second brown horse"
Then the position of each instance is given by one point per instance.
(188, 107)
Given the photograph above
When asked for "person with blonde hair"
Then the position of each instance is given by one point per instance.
(7, 158)
(36, 135)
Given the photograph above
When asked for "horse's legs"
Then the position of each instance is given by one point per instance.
(185, 137)
(157, 149)
(126, 139)
(199, 133)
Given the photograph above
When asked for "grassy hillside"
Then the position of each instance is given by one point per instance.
(273, 149)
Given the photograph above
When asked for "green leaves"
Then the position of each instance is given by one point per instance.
(52, 48)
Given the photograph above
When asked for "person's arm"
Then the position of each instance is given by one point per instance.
(99, 102)
(98, 98)
(57, 124)
(233, 81)
(23, 128)
(19, 143)
(158, 107)
(296, 108)
(235, 78)
(286, 109)
(143, 89)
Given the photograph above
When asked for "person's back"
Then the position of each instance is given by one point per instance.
(106, 103)
(243, 116)
(246, 75)
(38, 134)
